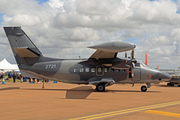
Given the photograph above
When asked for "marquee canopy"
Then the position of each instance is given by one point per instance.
(6, 66)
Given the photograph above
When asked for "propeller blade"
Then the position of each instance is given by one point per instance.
(131, 70)
(125, 54)
(132, 54)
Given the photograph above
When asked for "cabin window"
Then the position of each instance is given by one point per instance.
(122, 70)
(92, 69)
(105, 69)
(112, 70)
(75, 70)
(99, 69)
(87, 69)
(81, 70)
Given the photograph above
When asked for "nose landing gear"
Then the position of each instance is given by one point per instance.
(144, 88)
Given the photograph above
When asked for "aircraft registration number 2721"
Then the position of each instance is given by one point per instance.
(50, 66)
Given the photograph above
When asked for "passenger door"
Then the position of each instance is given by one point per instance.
(137, 74)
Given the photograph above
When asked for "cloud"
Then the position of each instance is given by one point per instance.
(23, 20)
(64, 28)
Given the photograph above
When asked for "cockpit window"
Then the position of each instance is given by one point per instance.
(143, 65)
(140, 64)
(137, 64)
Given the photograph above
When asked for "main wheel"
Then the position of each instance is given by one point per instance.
(100, 87)
(169, 84)
(143, 88)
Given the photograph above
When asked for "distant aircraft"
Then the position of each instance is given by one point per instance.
(175, 80)
(102, 69)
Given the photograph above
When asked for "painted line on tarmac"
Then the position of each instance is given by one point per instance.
(113, 113)
(163, 113)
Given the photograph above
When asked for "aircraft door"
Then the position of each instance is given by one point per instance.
(137, 74)
(99, 70)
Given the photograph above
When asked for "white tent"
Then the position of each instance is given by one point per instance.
(6, 66)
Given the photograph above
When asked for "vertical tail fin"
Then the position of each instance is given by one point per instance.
(24, 50)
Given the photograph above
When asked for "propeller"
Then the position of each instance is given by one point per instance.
(132, 54)
(132, 69)
(133, 60)
(125, 54)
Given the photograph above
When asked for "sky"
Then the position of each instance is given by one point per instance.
(65, 28)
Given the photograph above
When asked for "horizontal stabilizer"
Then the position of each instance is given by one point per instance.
(27, 52)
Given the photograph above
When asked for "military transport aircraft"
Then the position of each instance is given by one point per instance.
(102, 69)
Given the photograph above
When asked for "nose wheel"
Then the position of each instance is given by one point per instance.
(143, 88)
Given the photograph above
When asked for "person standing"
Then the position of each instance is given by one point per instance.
(10, 75)
(21, 78)
(1, 76)
(14, 77)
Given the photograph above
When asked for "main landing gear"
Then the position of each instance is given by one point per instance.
(170, 84)
(144, 88)
(100, 87)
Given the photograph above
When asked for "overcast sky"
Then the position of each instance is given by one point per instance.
(65, 28)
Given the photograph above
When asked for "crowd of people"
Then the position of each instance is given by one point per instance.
(12, 75)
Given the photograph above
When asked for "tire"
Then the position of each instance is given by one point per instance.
(143, 88)
(169, 84)
(100, 87)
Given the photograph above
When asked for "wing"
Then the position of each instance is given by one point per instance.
(103, 54)
(110, 49)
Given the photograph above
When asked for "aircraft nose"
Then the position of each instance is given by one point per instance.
(165, 75)
(162, 75)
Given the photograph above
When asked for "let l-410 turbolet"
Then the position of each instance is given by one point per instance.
(102, 69)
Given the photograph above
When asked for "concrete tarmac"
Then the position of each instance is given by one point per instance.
(61, 101)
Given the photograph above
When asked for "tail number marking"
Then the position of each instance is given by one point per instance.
(50, 66)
